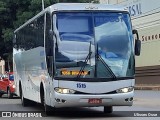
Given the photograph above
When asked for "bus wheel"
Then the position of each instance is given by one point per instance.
(9, 94)
(48, 109)
(24, 101)
(108, 109)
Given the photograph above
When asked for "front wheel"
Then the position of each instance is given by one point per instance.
(24, 101)
(108, 109)
(48, 109)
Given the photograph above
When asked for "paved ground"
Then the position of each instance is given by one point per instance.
(147, 87)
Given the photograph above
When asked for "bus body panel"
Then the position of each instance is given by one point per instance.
(82, 100)
(95, 87)
(95, 90)
(31, 71)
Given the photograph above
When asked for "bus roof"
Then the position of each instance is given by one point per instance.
(75, 7)
(85, 6)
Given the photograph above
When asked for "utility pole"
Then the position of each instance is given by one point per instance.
(42, 4)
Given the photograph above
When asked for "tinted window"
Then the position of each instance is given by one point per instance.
(31, 36)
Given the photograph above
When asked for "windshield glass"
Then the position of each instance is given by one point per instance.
(114, 38)
(82, 37)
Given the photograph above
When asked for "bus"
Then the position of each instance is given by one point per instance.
(76, 55)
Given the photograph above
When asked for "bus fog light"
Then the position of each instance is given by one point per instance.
(125, 90)
(63, 101)
(64, 91)
(127, 99)
(58, 100)
(131, 99)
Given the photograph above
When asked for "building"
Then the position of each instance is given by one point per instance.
(2, 67)
(146, 19)
(112, 1)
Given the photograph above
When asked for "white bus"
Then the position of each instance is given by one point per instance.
(76, 55)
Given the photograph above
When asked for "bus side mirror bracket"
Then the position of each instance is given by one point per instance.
(137, 43)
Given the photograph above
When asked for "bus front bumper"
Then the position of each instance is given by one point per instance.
(78, 100)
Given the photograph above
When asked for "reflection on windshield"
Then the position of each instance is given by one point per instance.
(115, 51)
(113, 35)
(79, 33)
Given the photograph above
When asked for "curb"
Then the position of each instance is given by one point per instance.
(156, 88)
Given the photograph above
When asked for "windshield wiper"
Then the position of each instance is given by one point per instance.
(105, 64)
(86, 60)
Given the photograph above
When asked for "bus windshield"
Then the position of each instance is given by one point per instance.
(87, 42)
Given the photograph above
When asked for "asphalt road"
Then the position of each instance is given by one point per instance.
(145, 103)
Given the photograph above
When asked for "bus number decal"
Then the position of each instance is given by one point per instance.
(81, 85)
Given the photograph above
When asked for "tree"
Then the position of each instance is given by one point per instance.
(3, 18)
(14, 13)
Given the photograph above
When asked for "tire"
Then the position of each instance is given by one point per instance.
(9, 94)
(47, 109)
(24, 101)
(108, 109)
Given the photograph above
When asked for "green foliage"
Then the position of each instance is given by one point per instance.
(2, 6)
(22, 17)
(7, 34)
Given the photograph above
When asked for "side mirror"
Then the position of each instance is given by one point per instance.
(137, 43)
(137, 47)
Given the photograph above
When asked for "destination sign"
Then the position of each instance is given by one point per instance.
(74, 72)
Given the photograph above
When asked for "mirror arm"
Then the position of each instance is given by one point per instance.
(136, 32)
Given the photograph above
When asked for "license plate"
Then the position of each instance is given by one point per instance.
(94, 101)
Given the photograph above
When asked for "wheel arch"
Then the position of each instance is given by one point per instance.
(20, 89)
(42, 93)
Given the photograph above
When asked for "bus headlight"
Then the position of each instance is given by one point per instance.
(64, 91)
(125, 90)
